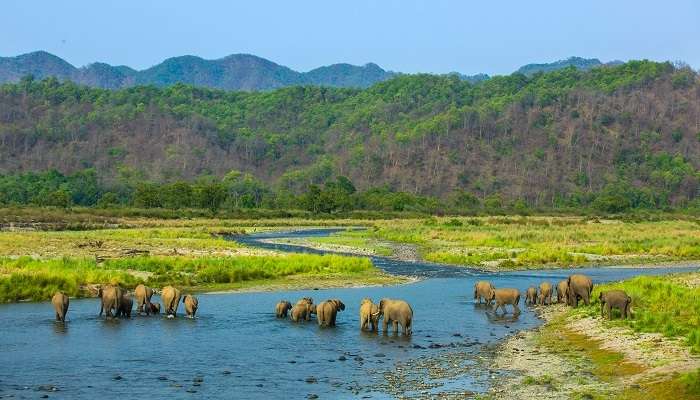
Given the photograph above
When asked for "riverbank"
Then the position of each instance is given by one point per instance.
(576, 354)
(516, 243)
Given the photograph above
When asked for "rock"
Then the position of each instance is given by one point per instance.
(312, 396)
(190, 390)
(311, 379)
(198, 379)
(457, 334)
(358, 358)
(292, 362)
(46, 388)
(226, 372)
(162, 378)
(380, 355)
(196, 384)
(417, 346)
(259, 385)
(44, 396)
(117, 377)
(342, 358)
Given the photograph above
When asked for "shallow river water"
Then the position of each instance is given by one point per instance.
(236, 348)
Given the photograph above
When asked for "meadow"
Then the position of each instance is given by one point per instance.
(536, 242)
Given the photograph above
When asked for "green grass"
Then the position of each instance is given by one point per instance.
(31, 279)
(525, 242)
(660, 305)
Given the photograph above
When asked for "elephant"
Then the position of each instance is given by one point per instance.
(531, 296)
(327, 311)
(507, 296)
(579, 286)
(171, 300)
(369, 313)
(154, 308)
(60, 304)
(562, 288)
(615, 299)
(282, 308)
(191, 304)
(111, 297)
(302, 310)
(125, 306)
(143, 296)
(483, 289)
(545, 297)
(396, 312)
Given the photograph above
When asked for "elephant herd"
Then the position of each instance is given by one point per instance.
(570, 291)
(392, 311)
(117, 302)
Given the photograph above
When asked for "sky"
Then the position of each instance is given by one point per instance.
(437, 36)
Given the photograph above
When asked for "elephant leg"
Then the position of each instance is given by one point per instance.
(516, 309)
(385, 324)
(396, 326)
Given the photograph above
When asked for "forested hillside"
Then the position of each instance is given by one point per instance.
(622, 136)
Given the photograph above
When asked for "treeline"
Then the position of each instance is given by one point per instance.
(616, 138)
(239, 191)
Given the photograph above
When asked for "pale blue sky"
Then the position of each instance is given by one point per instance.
(408, 36)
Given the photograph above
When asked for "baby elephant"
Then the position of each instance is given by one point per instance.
(154, 308)
(507, 296)
(483, 290)
(125, 306)
(191, 304)
(282, 308)
(531, 296)
(615, 299)
(60, 305)
(369, 315)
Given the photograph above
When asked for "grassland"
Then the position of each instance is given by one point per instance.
(75, 252)
(27, 278)
(536, 242)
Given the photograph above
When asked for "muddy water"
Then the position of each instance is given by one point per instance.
(236, 348)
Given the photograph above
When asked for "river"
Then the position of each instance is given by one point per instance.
(236, 348)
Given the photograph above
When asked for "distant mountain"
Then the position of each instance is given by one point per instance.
(234, 72)
(578, 62)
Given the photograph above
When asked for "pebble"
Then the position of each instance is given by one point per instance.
(191, 390)
(44, 396)
(46, 388)
(417, 346)
(457, 334)
(259, 385)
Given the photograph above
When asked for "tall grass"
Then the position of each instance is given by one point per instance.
(30, 279)
(659, 305)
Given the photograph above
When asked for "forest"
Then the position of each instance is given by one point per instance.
(612, 138)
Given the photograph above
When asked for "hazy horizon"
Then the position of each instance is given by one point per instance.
(409, 37)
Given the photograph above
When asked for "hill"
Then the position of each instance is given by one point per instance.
(234, 72)
(624, 134)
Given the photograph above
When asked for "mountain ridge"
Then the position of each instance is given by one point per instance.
(246, 72)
